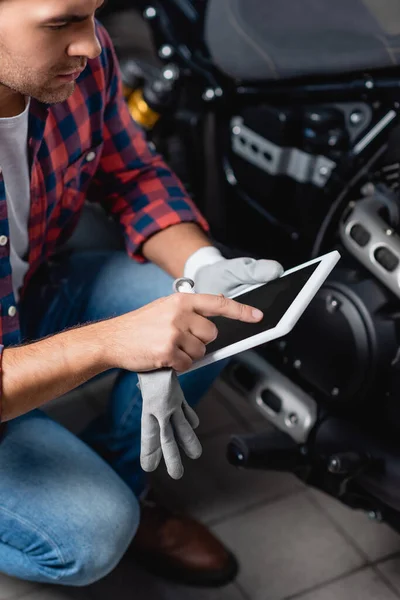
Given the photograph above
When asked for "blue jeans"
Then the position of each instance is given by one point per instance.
(68, 506)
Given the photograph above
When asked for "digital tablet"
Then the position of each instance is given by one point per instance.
(282, 301)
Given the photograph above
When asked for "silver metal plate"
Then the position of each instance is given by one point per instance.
(274, 160)
(298, 411)
(366, 213)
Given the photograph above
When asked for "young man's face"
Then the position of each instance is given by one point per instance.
(34, 52)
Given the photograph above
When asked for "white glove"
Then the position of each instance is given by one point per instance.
(214, 274)
(166, 419)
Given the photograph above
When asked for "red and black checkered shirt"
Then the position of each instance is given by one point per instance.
(88, 147)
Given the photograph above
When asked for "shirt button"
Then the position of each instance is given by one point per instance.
(3, 240)
(90, 156)
(12, 311)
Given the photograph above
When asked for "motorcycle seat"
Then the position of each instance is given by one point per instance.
(255, 40)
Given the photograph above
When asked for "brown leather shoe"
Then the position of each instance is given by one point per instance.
(180, 549)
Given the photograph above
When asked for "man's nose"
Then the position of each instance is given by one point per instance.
(88, 46)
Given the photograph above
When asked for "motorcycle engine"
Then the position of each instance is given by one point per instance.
(345, 347)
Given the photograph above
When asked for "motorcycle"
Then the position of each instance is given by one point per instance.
(283, 121)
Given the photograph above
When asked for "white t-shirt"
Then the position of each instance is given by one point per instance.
(14, 165)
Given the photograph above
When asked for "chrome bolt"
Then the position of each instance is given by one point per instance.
(369, 84)
(170, 72)
(236, 130)
(218, 92)
(375, 515)
(150, 13)
(389, 232)
(165, 51)
(334, 465)
(209, 94)
(356, 117)
(335, 391)
(334, 303)
(297, 364)
(292, 419)
(368, 189)
(324, 171)
(240, 457)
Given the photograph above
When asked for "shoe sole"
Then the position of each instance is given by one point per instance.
(186, 577)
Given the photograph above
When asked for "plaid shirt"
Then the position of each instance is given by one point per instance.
(88, 147)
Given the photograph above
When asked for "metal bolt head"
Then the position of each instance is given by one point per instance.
(335, 391)
(166, 51)
(334, 303)
(209, 94)
(297, 364)
(356, 117)
(218, 92)
(368, 189)
(240, 457)
(150, 13)
(236, 130)
(389, 232)
(323, 171)
(375, 515)
(170, 72)
(292, 419)
(369, 84)
(334, 465)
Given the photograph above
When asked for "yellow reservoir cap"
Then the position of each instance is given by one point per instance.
(141, 111)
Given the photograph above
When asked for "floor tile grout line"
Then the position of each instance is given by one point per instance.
(339, 529)
(386, 580)
(249, 508)
(327, 582)
(323, 584)
(369, 562)
(242, 591)
(344, 576)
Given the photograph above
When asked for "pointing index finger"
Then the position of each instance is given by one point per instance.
(209, 305)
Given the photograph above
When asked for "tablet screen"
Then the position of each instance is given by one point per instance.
(273, 298)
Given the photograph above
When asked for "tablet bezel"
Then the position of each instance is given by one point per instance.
(288, 320)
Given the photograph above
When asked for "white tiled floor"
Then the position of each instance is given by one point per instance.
(292, 542)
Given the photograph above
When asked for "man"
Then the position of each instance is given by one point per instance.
(66, 516)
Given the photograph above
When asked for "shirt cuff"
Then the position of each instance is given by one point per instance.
(207, 255)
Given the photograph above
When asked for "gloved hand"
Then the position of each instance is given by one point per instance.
(166, 416)
(166, 419)
(214, 274)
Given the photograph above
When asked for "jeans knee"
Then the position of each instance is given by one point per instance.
(96, 550)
